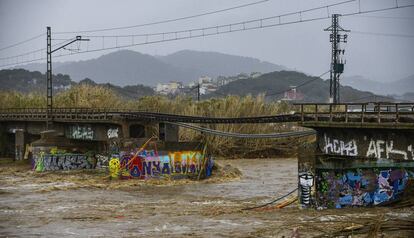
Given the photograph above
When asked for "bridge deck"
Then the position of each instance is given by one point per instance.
(358, 115)
(377, 115)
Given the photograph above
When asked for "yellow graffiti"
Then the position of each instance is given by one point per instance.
(125, 173)
(114, 167)
(55, 151)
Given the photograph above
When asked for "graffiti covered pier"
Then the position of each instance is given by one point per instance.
(149, 164)
(362, 156)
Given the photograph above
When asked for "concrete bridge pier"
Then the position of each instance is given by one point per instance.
(356, 166)
(168, 132)
(20, 144)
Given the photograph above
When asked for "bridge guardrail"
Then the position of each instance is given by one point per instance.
(356, 112)
(308, 112)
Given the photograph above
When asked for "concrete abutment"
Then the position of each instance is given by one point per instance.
(355, 167)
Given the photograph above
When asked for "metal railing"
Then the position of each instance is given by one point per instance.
(105, 115)
(356, 112)
(307, 112)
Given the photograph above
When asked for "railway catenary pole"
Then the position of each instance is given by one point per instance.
(337, 62)
(49, 82)
(49, 90)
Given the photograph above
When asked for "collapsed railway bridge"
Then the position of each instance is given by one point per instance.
(363, 154)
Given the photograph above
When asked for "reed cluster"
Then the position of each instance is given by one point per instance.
(87, 96)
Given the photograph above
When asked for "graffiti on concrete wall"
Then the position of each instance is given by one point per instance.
(102, 161)
(112, 133)
(385, 149)
(150, 165)
(360, 187)
(81, 132)
(51, 162)
(336, 146)
(379, 149)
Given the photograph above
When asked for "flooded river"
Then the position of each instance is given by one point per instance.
(29, 208)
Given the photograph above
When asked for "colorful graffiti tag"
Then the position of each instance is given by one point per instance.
(149, 164)
(360, 187)
(50, 162)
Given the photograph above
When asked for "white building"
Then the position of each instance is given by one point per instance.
(255, 75)
(205, 79)
(169, 88)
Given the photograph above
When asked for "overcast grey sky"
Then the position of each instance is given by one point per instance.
(303, 46)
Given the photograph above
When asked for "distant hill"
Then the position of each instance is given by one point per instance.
(406, 97)
(274, 84)
(128, 67)
(399, 87)
(216, 64)
(25, 81)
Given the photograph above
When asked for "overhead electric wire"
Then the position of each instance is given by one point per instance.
(377, 10)
(258, 20)
(21, 42)
(32, 52)
(382, 34)
(166, 21)
(300, 85)
(388, 17)
(190, 31)
(225, 28)
(218, 29)
(23, 54)
(281, 92)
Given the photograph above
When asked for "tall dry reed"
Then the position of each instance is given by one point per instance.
(231, 106)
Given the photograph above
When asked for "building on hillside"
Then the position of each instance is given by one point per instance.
(205, 79)
(254, 75)
(242, 76)
(62, 87)
(206, 84)
(207, 88)
(221, 80)
(171, 87)
(292, 94)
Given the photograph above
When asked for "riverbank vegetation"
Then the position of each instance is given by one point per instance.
(90, 96)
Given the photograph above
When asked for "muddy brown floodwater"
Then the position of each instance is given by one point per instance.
(78, 205)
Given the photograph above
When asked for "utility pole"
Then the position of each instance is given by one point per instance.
(337, 62)
(49, 79)
(49, 51)
(198, 92)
